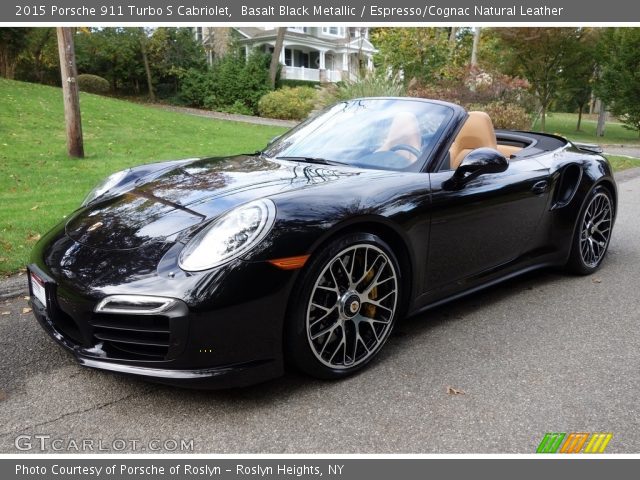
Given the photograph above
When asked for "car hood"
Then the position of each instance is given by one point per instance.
(183, 198)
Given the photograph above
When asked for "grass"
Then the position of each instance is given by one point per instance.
(39, 184)
(564, 124)
(622, 163)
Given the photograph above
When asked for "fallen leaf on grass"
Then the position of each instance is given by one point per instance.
(26, 310)
(454, 391)
(5, 313)
(35, 207)
(33, 237)
(26, 298)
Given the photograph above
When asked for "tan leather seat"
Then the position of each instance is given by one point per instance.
(477, 132)
(404, 130)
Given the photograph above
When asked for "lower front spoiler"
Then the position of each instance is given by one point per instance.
(229, 376)
(218, 377)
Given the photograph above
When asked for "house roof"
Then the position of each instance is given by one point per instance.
(252, 34)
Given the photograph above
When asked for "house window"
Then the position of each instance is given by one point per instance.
(333, 31)
(298, 29)
(288, 57)
(199, 35)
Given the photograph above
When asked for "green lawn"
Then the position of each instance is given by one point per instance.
(622, 163)
(39, 185)
(564, 124)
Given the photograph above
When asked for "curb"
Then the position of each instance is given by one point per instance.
(232, 117)
(13, 286)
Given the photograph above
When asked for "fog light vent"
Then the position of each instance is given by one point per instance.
(134, 304)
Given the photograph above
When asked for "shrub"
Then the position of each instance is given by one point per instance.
(93, 84)
(238, 107)
(506, 115)
(370, 86)
(288, 82)
(232, 84)
(468, 86)
(288, 103)
(196, 88)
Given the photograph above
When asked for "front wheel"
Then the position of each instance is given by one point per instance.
(593, 233)
(344, 307)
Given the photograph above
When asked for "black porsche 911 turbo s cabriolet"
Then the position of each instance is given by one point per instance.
(213, 272)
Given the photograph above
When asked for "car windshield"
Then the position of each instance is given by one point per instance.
(379, 133)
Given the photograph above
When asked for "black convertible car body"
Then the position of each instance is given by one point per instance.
(211, 272)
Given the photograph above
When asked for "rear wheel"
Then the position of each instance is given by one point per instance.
(345, 307)
(593, 233)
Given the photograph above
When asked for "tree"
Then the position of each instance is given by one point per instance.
(38, 61)
(145, 60)
(619, 82)
(112, 53)
(275, 57)
(69, 74)
(12, 41)
(172, 52)
(540, 55)
(579, 71)
(416, 52)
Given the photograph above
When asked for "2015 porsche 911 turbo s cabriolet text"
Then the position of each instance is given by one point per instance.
(213, 272)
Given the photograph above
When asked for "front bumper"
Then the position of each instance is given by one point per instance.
(232, 345)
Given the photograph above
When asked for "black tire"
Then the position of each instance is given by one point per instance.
(327, 280)
(589, 245)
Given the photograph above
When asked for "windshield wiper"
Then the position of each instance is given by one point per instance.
(318, 160)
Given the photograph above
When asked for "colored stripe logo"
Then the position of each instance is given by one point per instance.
(574, 442)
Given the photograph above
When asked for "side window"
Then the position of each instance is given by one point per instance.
(446, 163)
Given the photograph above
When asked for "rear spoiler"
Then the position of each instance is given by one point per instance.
(589, 147)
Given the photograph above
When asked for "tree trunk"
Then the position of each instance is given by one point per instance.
(218, 41)
(145, 60)
(602, 120)
(71, 98)
(474, 48)
(543, 117)
(7, 64)
(275, 57)
(579, 118)
(452, 38)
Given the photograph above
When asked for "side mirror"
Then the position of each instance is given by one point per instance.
(479, 162)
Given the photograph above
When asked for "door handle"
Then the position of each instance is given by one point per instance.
(540, 187)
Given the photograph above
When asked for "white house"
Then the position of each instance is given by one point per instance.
(320, 54)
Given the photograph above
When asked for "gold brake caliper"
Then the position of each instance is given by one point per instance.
(368, 309)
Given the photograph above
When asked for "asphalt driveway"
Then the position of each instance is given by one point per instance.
(544, 353)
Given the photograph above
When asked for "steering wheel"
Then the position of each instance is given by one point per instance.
(406, 148)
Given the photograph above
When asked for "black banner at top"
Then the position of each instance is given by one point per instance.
(417, 12)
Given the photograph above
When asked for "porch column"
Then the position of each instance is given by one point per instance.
(321, 66)
(282, 54)
(369, 63)
(345, 62)
(246, 51)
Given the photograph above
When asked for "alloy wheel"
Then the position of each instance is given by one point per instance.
(351, 307)
(595, 230)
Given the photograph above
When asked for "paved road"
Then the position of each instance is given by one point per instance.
(547, 352)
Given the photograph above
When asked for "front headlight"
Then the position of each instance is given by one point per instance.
(104, 186)
(233, 234)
